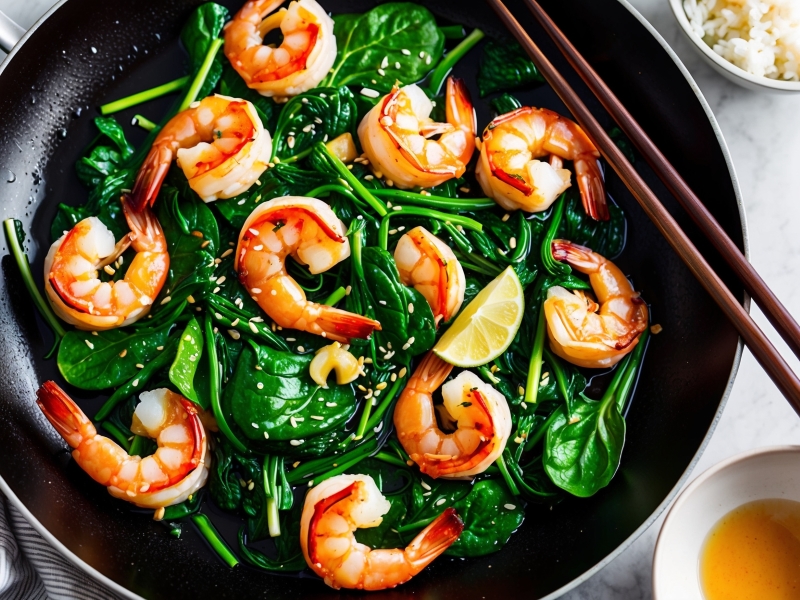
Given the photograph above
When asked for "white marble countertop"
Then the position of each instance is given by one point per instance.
(763, 134)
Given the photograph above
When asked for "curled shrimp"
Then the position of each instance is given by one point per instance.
(219, 143)
(479, 412)
(309, 231)
(398, 136)
(302, 60)
(170, 476)
(335, 508)
(583, 332)
(71, 277)
(428, 265)
(509, 172)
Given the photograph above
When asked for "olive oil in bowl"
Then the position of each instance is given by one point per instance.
(753, 553)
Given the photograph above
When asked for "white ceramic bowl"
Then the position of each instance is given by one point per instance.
(728, 69)
(754, 475)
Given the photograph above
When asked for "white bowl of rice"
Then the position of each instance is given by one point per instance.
(755, 43)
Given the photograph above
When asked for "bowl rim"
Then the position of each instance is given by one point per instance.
(6, 490)
(766, 82)
(700, 481)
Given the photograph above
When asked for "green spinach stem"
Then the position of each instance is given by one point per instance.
(333, 161)
(202, 74)
(512, 486)
(440, 202)
(449, 61)
(144, 96)
(24, 267)
(389, 459)
(553, 266)
(214, 385)
(535, 365)
(137, 445)
(214, 539)
(632, 372)
(387, 401)
(144, 123)
(335, 297)
(445, 218)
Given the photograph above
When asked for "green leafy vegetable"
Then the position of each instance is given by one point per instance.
(190, 349)
(506, 67)
(604, 237)
(376, 40)
(203, 26)
(106, 359)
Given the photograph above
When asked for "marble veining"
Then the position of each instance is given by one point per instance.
(763, 134)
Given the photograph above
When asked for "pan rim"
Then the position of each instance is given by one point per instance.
(669, 498)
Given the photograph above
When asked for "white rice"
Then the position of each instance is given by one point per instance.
(761, 37)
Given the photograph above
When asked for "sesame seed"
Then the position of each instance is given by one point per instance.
(135, 383)
(216, 289)
(235, 322)
(402, 372)
(139, 366)
(422, 54)
(347, 290)
(218, 316)
(369, 177)
(296, 443)
(385, 62)
(464, 189)
(381, 72)
(159, 348)
(381, 385)
(109, 270)
(509, 506)
(317, 418)
(428, 60)
(260, 385)
(242, 201)
(221, 280)
(523, 405)
(410, 307)
(506, 217)
(253, 327)
(266, 435)
(441, 501)
(379, 427)
(521, 391)
(423, 493)
(159, 513)
(255, 232)
(369, 93)
(123, 353)
(330, 404)
(574, 420)
(517, 440)
(301, 349)
(234, 334)
(255, 425)
(290, 141)
(293, 421)
(206, 243)
(90, 344)
(383, 302)
(656, 329)
(251, 485)
(190, 299)
(227, 252)
(396, 65)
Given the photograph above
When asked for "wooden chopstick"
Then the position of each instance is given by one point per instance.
(766, 354)
(776, 313)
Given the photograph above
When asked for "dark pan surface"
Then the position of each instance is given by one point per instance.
(48, 94)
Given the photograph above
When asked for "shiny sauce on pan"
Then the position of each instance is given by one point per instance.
(753, 553)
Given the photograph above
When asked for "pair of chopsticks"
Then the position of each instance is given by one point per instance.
(766, 354)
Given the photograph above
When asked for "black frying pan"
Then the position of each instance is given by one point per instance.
(49, 87)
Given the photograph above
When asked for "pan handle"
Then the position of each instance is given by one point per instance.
(10, 33)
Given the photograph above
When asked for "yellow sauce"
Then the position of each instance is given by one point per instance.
(753, 553)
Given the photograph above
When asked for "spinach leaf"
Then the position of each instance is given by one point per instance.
(281, 180)
(376, 40)
(388, 299)
(182, 371)
(604, 237)
(289, 556)
(193, 241)
(490, 514)
(318, 115)
(429, 497)
(104, 160)
(202, 27)
(232, 84)
(505, 103)
(280, 398)
(505, 67)
(582, 456)
(109, 358)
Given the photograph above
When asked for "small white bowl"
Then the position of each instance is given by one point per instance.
(728, 69)
(760, 474)
(755, 475)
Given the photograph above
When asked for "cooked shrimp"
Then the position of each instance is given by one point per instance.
(428, 265)
(303, 58)
(398, 136)
(220, 144)
(309, 231)
(338, 506)
(480, 412)
(509, 172)
(583, 332)
(71, 277)
(170, 476)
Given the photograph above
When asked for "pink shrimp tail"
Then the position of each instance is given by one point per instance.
(62, 412)
(435, 538)
(150, 177)
(342, 326)
(433, 371)
(573, 254)
(590, 183)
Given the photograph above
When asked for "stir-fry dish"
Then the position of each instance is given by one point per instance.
(324, 297)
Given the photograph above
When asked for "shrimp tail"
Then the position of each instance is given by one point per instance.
(460, 112)
(151, 176)
(433, 371)
(573, 254)
(145, 229)
(63, 414)
(342, 326)
(591, 186)
(435, 538)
